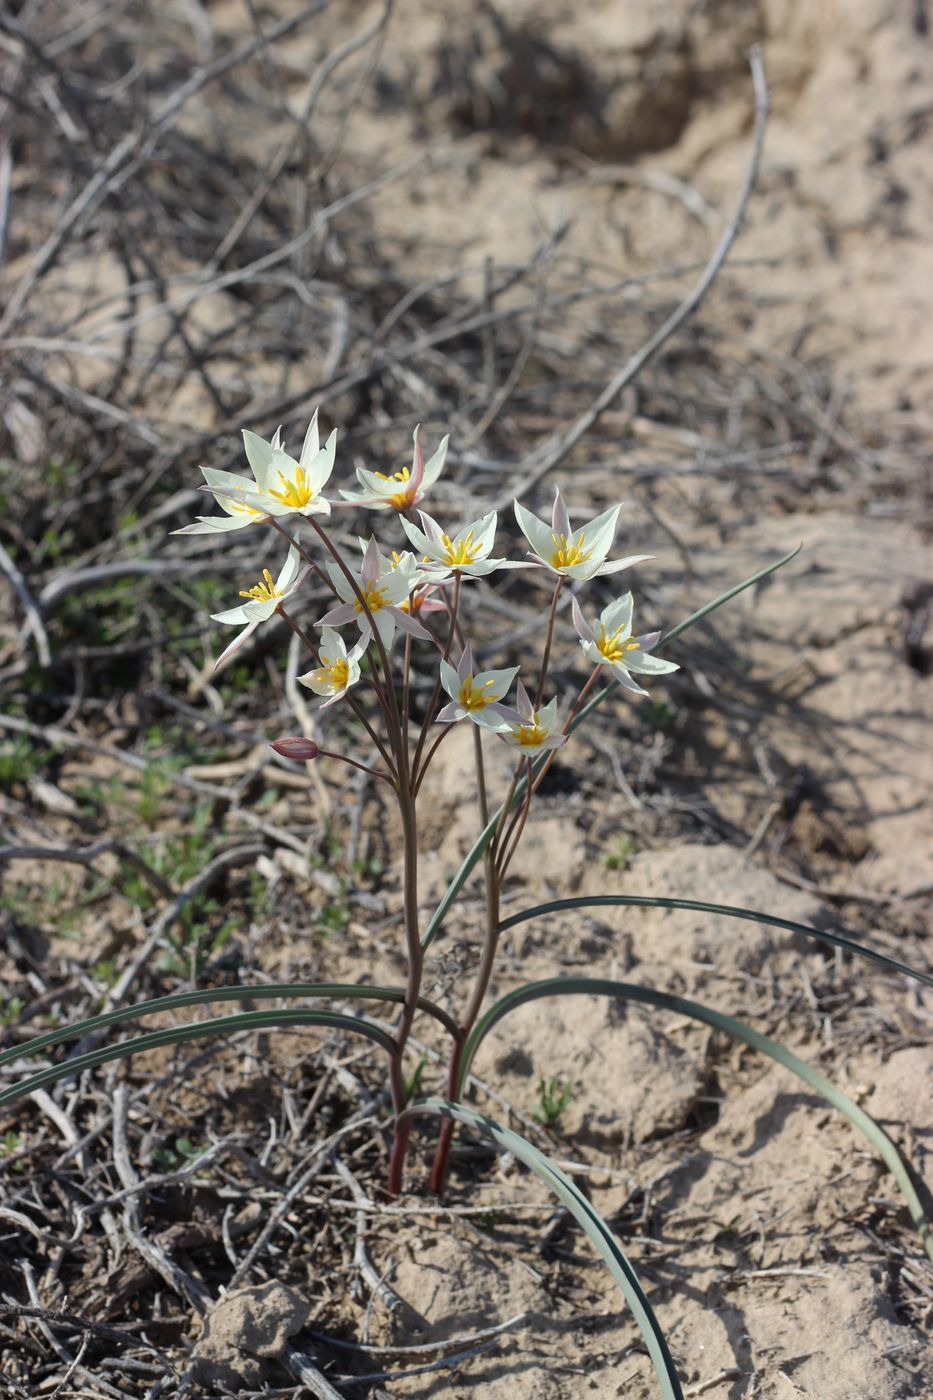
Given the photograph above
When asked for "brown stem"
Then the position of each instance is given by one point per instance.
(567, 723)
(380, 645)
(429, 712)
(546, 658)
(514, 833)
(358, 711)
(445, 730)
(406, 804)
(363, 767)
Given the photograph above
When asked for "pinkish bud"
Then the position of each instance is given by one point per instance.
(296, 746)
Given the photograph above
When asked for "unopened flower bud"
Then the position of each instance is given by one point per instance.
(296, 746)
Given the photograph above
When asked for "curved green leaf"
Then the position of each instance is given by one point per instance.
(586, 1216)
(174, 1035)
(731, 911)
(738, 1030)
(486, 835)
(707, 608)
(204, 998)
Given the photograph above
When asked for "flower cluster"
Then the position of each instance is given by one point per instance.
(383, 594)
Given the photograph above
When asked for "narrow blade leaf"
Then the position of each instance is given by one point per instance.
(737, 1030)
(264, 992)
(589, 1220)
(201, 1030)
(730, 911)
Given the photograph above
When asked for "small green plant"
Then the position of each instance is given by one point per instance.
(11, 1010)
(554, 1095)
(620, 856)
(661, 714)
(183, 1153)
(20, 760)
(11, 1142)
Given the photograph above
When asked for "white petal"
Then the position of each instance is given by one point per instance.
(647, 665)
(312, 443)
(259, 454)
(232, 616)
(319, 469)
(235, 644)
(560, 520)
(538, 535)
(435, 465)
(421, 542)
(449, 679)
(616, 566)
(584, 630)
(600, 532)
(618, 614)
(501, 681)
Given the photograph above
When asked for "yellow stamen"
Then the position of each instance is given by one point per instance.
(264, 591)
(403, 475)
(530, 735)
(375, 599)
(566, 553)
(612, 648)
(338, 673)
(463, 550)
(473, 697)
(297, 493)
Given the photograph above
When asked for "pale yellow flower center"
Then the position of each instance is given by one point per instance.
(474, 697)
(264, 591)
(612, 648)
(336, 673)
(295, 493)
(375, 598)
(463, 550)
(402, 499)
(566, 553)
(530, 735)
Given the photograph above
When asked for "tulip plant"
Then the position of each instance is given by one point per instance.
(387, 601)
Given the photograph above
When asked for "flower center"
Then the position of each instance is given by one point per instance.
(474, 697)
(264, 591)
(614, 649)
(462, 550)
(567, 552)
(403, 475)
(530, 735)
(374, 598)
(294, 493)
(404, 499)
(337, 673)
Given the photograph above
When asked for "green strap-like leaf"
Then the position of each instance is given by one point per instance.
(175, 1035)
(263, 992)
(731, 911)
(486, 835)
(738, 1030)
(589, 1220)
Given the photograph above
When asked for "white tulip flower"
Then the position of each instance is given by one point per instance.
(385, 590)
(535, 731)
(577, 554)
(263, 600)
(339, 668)
(233, 492)
(476, 697)
(403, 489)
(465, 553)
(615, 646)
